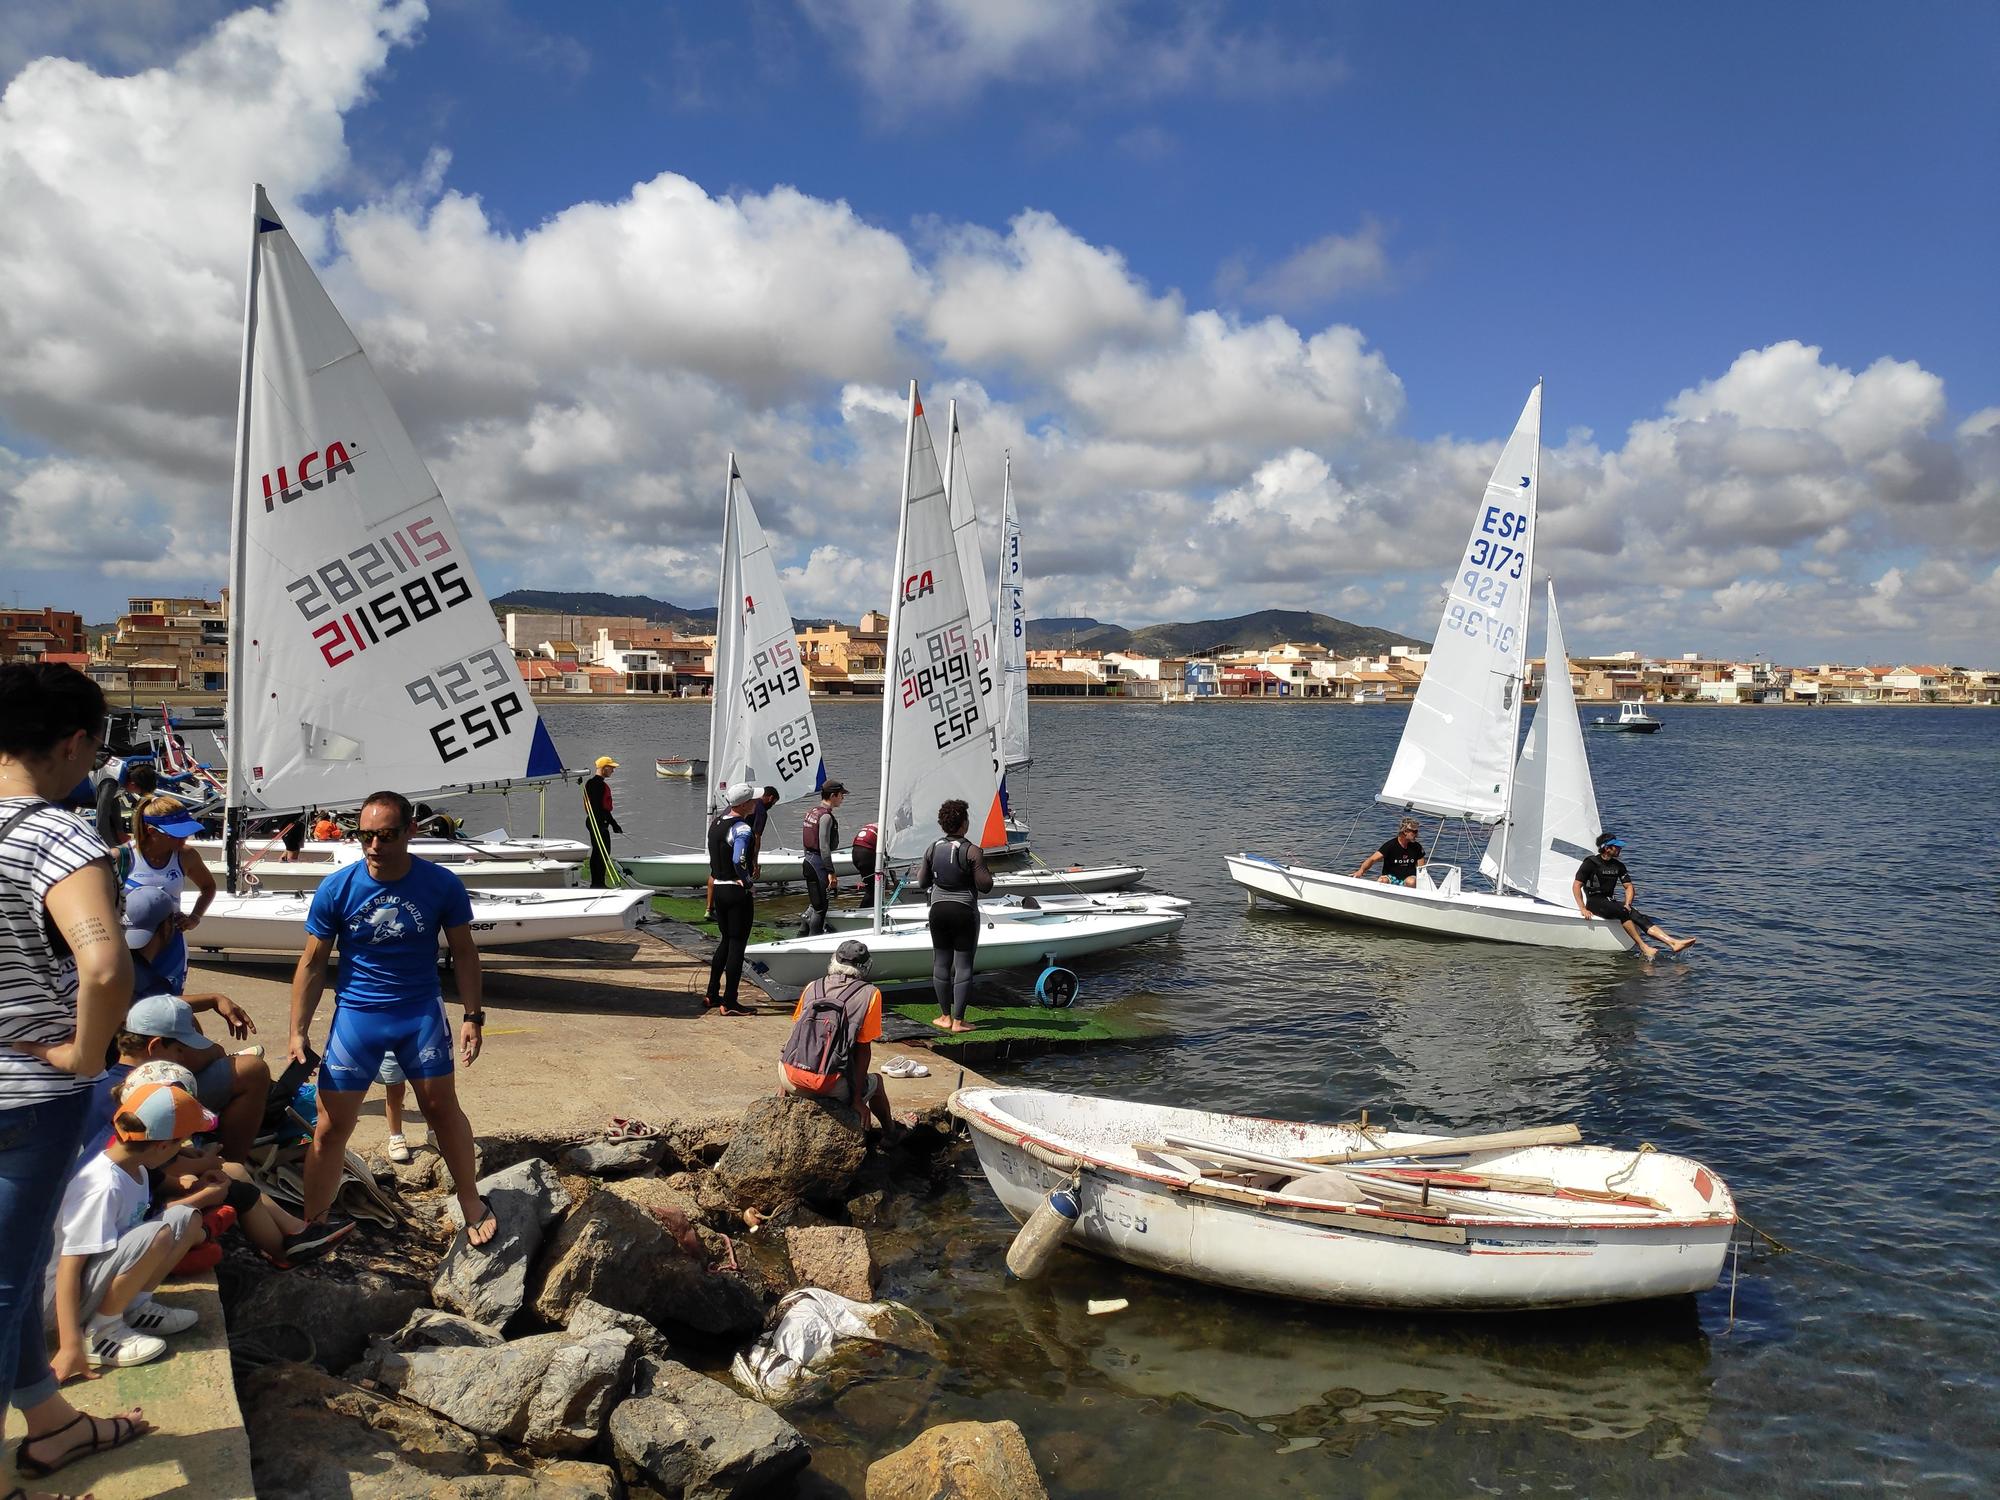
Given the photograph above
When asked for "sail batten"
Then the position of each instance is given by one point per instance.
(364, 654)
(1456, 756)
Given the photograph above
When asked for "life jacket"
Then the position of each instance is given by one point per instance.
(817, 814)
(950, 869)
(820, 1048)
(866, 838)
(721, 857)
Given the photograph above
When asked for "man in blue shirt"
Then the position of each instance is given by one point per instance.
(387, 914)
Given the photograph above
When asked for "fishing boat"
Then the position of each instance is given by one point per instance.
(363, 652)
(760, 720)
(1632, 719)
(1357, 1216)
(680, 767)
(939, 741)
(1456, 758)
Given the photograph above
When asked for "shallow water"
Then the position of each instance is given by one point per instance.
(1829, 1049)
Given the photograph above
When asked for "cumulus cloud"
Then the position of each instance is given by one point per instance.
(576, 385)
(1314, 275)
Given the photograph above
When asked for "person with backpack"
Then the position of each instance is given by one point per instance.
(954, 872)
(821, 839)
(834, 1026)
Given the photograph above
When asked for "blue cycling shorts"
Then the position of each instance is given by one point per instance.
(417, 1037)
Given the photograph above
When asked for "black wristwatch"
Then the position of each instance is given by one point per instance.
(474, 1018)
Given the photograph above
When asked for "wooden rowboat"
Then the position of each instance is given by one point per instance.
(1486, 1223)
(679, 768)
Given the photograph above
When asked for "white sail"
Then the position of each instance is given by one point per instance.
(1011, 626)
(972, 567)
(760, 726)
(363, 652)
(1555, 818)
(1456, 757)
(938, 741)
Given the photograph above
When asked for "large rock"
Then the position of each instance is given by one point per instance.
(550, 1393)
(339, 1317)
(834, 1257)
(430, 1329)
(793, 1146)
(587, 1316)
(687, 1435)
(489, 1283)
(564, 1479)
(679, 1213)
(613, 1158)
(698, 1142)
(616, 1253)
(960, 1461)
(316, 1438)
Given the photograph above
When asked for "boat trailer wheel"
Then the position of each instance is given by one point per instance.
(1056, 988)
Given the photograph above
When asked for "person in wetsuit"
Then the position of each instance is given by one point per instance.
(954, 872)
(731, 865)
(598, 821)
(1595, 889)
(822, 842)
(1401, 857)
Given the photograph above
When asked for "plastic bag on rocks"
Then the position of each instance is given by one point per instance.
(812, 1325)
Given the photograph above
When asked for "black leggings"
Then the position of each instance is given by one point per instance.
(1618, 911)
(734, 908)
(600, 862)
(815, 922)
(954, 940)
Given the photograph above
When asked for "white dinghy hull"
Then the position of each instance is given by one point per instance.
(455, 853)
(690, 870)
(1440, 910)
(488, 875)
(275, 922)
(1012, 908)
(1529, 1253)
(1013, 939)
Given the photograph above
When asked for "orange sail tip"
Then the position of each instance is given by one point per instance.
(994, 834)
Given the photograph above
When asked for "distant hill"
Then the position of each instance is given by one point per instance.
(560, 602)
(1267, 627)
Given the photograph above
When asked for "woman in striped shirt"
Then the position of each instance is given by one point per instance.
(65, 981)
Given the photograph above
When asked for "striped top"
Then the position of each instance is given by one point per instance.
(37, 989)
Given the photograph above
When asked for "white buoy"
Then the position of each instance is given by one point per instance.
(1036, 1245)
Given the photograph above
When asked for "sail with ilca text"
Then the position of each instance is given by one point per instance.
(1011, 627)
(1456, 757)
(363, 652)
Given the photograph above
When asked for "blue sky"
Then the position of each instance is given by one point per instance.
(1284, 276)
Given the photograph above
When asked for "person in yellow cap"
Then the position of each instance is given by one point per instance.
(598, 822)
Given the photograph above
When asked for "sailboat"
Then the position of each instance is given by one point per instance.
(363, 653)
(760, 719)
(939, 742)
(1456, 757)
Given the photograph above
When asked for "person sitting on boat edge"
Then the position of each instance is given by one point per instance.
(834, 1025)
(1401, 857)
(822, 841)
(732, 903)
(1597, 881)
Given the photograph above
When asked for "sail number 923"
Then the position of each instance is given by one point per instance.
(473, 720)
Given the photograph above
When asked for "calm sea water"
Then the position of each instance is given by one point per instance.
(1830, 1049)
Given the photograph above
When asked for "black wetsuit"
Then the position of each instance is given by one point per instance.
(822, 841)
(954, 872)
(729, 864)
(1602, 879)
(600, 825)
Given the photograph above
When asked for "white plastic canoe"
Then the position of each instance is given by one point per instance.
(487, 875)
(690, 869)
(1437, 904)
(1656, 1225)
(1008, 939)
(275, 921)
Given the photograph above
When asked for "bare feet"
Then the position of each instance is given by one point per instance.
(943, 1023)
(1682, 944)
(1648, 952)
(957, 1026)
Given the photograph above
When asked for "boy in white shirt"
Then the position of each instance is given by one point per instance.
(109, 1255)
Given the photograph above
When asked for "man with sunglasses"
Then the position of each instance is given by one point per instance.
(387, 913)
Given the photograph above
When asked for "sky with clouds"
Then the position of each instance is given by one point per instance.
(1251, 294)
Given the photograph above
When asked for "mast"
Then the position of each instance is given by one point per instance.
(239, 499)
(724, 616)
(1521, 680)
(890, 670)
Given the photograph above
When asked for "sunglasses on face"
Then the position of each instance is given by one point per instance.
(380, 835)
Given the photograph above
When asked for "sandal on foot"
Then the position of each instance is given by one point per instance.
(123, 1430)
(488, 1217)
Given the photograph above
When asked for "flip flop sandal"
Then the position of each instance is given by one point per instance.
(123, 1431)
(491, 1239)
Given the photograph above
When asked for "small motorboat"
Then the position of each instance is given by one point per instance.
(1354, 1215)
(1632, 719)
(680, 767)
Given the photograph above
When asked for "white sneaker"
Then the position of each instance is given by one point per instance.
(397, 1150)
(116, 1345)
(157, 1318)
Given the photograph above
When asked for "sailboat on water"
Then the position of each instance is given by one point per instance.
(1457, 759)
(760, 720)
(363, 653)
(938, 742)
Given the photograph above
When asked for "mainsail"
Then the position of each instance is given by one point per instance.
(1011, 626)
(938, 741)
(1457, 752)
(760, 725)
(1554, 822)
(972, 568)
(363, 652)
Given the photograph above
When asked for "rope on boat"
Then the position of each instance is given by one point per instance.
(1618, 1179)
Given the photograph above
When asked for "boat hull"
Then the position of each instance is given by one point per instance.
(487, 875)
(1356, 1256)
(690, 870)
(1018, 939)
(1609, 726)
(1009, 908)
(680, 770)
(275, 922)
(1461, 914)
(452, 852)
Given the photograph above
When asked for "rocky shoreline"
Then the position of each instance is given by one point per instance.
(586, 1353)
